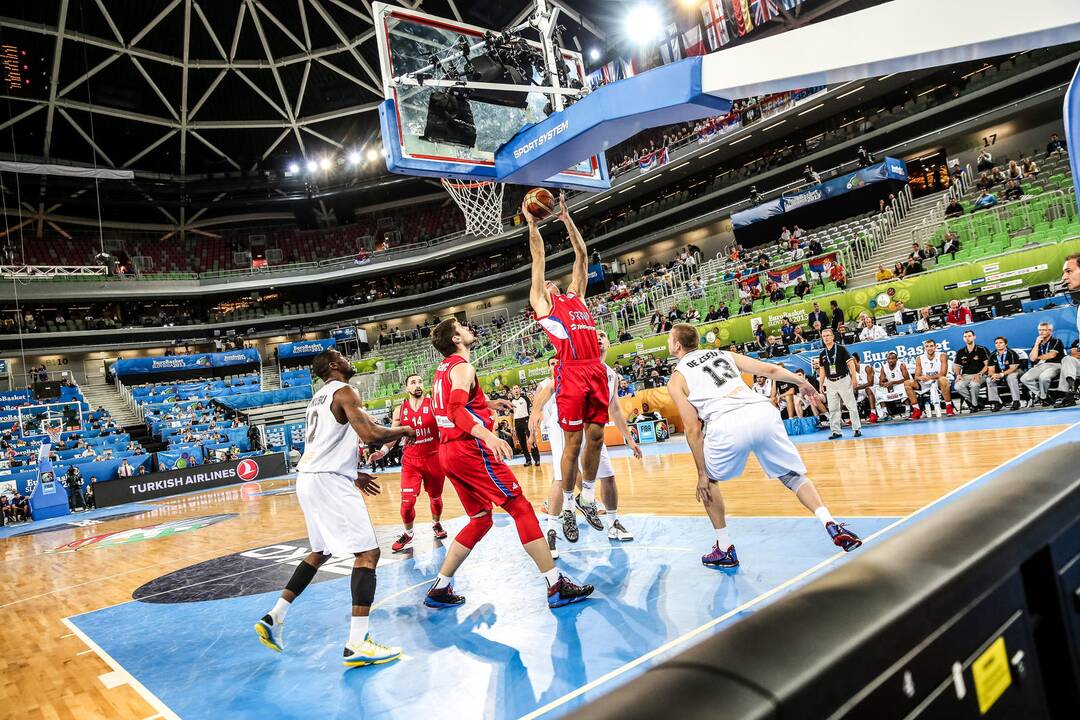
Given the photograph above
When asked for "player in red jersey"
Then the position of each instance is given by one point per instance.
(473, 456)
(581, 382)
(420, 464)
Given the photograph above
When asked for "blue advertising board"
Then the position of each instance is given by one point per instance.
(304, 348)
(195, 361)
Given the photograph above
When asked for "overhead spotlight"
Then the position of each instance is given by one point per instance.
(354, 158)
(594, 54)
(372, 155)
(690, 3)
(642, 24)
(293, 168)
(312, 166)
(325, 163)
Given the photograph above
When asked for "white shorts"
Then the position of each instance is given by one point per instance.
(555, 437)
(893, 394)
(757, 428)
(336, 514)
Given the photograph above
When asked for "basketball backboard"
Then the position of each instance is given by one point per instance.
(427, 131)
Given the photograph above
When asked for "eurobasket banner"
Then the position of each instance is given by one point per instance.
(304, 348)
(172, 363)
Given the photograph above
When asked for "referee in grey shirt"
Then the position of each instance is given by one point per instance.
(836, 371)
(522, 407)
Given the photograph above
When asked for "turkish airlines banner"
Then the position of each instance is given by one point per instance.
(189, 479)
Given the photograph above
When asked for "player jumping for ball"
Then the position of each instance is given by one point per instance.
(581, 379)
(420, 464)
(472, 456)
(707, 387)
(329, 490)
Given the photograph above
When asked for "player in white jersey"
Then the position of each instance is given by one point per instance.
(545, 410)
(330, 489)
(892, 386)
(931, 368)
(707, 387)
(1069, 379)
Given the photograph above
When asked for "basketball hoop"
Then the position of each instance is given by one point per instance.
(480, 202)
(54, 435)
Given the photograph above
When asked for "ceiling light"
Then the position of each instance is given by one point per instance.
(324, 163)
(372, 155)
(642, 24)
(594, 54)
(354, 158)
(312, 166)
(293, 168)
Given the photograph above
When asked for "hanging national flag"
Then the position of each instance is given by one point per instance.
(823, 263)
(692, 42)
(670, 49)
(788, 275)
(750, 282)
(648, 161)
(739, 13)
(716, 32)
(763, 11)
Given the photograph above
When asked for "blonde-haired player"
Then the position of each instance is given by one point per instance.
(707, 388)
(546, 411)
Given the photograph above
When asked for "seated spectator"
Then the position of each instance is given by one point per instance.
(777, 295)
(692, 315)
(1004, 369)
(625, 388)
(928, 252)
(774, 347)
(838, 275)
(1030, 168)
(802, 288)
(985, 161)
(814, 248)
(916, 252)
(899, 270)
(954, 209)
(798, 233)
(712, 315)
(764, 386)
(88, 493)
(958, 314)
(20, 507)
(1056, 146)
(913, 266)
(923, 323)
(931, 368)
(1012, 191)
(647, 413)
(1070, 373)
(798, 337)
(951, 245)
(625, 335)
(985, 200)
(785, 234)
(883, 274)
(997, 176)
(654, 380)
(969, 369)
(1045, 357)
(1014, 171)
(746, 307)
(868, 330)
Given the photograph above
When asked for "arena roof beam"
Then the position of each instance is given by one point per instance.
(24, 114)
(17, 24)
(149, 148)
(184, 88)
(336, 29)
(58, 50)
(89, 140)
(273, 71)
(210, 30)
(215, 148)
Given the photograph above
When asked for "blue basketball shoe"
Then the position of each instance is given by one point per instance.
(842, 537)
(723, 559)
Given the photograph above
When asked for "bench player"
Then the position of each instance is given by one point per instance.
(545, 410)
(420, 464)
(707, 387)
(329, 489)
(931, 368)
(892, 386)
(581, 382)
(472, 456)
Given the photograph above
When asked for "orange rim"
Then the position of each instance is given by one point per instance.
(467, 185)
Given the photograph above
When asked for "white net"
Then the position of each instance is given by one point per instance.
(480, 202)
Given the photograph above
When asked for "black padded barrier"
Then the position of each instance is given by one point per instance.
(970, 612)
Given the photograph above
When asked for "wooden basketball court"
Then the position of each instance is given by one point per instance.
(51, 672)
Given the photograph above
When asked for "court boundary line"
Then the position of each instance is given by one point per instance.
(153, 700)
(682, 639)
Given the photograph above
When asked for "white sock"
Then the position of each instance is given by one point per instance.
(824, 515)
(357, 629)
(408, 531)
(552, 576)
(442, 581)
(722, 538)
(588, 491)
(280, 608)
(612, 516)
(568, 501)
(553, 522)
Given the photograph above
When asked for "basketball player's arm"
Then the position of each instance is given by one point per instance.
(750, 366)
(579, 277)
(540, 398)
(538, 294)
(619, 418)
(692, 428)
(387, 447)
(918, 370)
(462, 378)
(346, 405)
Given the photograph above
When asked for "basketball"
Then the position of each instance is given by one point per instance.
(540, 203)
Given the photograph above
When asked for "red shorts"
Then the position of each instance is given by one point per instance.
(480, 479)
(422, 470)
(581, 394)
